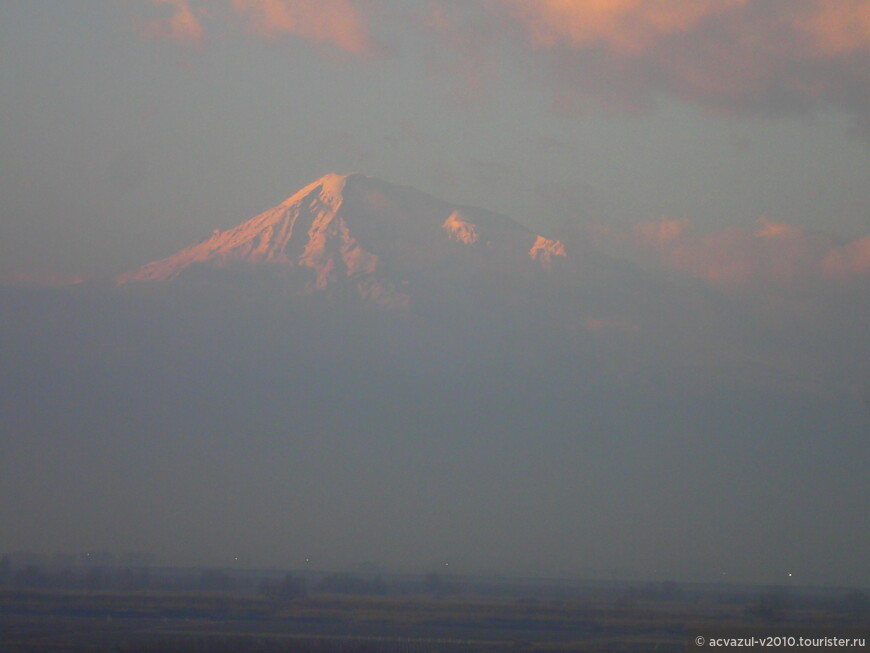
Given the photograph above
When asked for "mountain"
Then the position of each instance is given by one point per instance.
(527, 406)
(377, 239)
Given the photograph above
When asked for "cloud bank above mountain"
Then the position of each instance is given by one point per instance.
(730, 57)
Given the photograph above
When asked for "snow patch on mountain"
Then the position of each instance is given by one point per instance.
(545, 249)
(461, 229)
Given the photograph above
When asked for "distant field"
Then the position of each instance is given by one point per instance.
(80, 621)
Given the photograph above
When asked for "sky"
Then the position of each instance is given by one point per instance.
(131, 128)
(716, 408)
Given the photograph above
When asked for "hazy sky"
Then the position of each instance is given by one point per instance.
(717, 414)
(132, 127)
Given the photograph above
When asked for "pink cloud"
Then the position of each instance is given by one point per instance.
(339, 23)
(730, 56)
(773, 252)
(336, 22)
(182, 25)
(628, 26)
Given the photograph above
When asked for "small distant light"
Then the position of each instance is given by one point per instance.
(789, 574)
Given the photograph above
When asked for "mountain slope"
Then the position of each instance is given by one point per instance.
(359, 232)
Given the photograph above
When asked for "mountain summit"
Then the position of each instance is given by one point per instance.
(355, 231)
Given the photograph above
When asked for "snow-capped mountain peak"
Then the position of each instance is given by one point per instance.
(352, 229)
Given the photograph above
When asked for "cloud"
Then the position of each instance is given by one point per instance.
(774, 252)
(628, 26)
(336, 22)
(182, 25)
(729, 56)
(339, 23)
